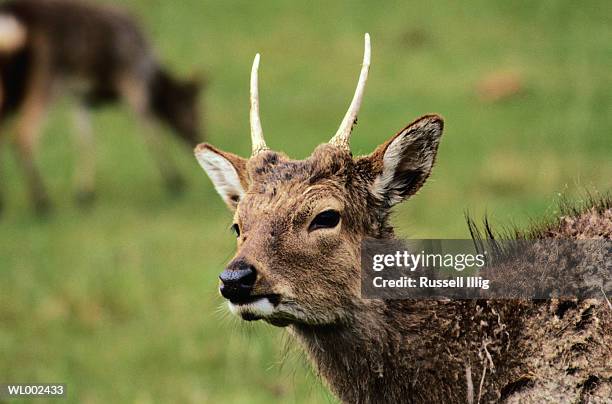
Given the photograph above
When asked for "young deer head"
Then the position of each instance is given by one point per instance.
(175, 102)
(299, 223)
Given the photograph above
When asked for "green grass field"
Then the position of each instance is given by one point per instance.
(120, 302)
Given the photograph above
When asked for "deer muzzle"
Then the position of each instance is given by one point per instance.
(237, 282)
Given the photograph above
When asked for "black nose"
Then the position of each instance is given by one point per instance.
(237, 282)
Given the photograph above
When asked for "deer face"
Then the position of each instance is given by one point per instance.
(176, 103)
(183, 111)
(299, 223)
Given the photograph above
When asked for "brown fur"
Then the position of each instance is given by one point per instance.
(411, 351)
(98, 55)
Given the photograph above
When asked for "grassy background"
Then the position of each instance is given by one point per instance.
(120, 302)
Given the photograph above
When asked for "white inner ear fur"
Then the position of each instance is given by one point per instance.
(223, 176)
(395, 158)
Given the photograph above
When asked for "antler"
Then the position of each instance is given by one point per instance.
(343, 135)
(257, 139)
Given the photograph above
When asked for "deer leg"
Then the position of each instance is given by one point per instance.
(1, 179)
(86, 159)
(173, 181)
(137, 97)
(1, 141)
(28, 127)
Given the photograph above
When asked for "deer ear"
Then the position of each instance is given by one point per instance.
(227, 172)
(403, 163)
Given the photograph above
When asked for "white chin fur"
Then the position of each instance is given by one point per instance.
(260, 308)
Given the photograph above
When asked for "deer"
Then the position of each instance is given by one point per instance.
(299, 225)
(97, 55)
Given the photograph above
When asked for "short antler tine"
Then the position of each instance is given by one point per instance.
(257, 139)
(343, 135)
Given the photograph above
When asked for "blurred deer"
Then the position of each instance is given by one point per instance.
(98, 55)
(299, 227)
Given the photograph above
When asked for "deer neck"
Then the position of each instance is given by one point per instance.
(377, 356)
(389, 352)
(344, 354)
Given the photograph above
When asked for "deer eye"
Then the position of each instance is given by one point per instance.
(236, 229)
(325, 220)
